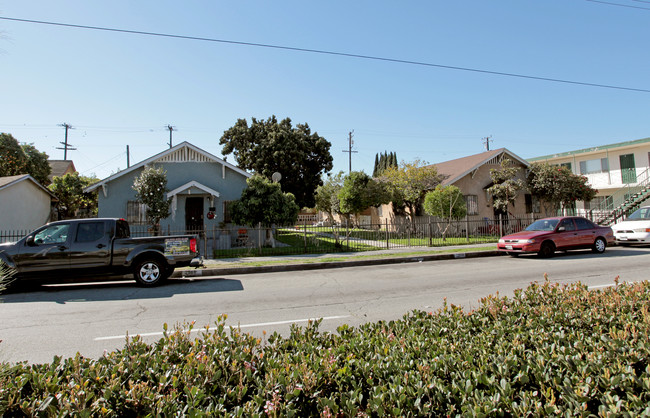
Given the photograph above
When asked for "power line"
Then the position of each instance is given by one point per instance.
(334, 53)
(621, 5)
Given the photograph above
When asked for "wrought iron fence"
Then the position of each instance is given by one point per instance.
(308, 238)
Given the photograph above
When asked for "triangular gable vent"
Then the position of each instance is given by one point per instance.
(184, 155)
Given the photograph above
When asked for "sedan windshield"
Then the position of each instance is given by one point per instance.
(642, 214)
(543, 225)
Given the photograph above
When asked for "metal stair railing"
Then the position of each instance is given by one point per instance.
(624, 201)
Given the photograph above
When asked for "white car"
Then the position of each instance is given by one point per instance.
(635, 229)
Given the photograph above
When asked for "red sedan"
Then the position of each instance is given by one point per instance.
(545, 236)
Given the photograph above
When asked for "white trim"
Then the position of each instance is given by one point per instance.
(191, 184)
(165, 156)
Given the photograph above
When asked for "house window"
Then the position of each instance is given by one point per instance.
(532, 204)
(136, 213)
(471, 201)
(566, 165)
(227, 208)
(599, 165)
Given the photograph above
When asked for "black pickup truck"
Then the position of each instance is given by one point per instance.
(97, 247)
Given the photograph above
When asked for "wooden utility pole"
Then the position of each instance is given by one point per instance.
(349, 150)
(171, 129)
(486, 142)
(128, 155)
(66, 147)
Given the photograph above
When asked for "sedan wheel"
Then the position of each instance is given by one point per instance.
(546, 250)
(599, 246)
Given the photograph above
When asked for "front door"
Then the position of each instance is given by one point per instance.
(628, 169)
(193, 214)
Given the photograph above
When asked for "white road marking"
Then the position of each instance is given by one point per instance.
(606, 285)
(261, 324)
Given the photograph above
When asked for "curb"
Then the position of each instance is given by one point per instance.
(329, 265)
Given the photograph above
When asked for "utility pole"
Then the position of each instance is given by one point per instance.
(349, 150)
(171, 129)
(128, 164)
(486, 142)
(66, 147)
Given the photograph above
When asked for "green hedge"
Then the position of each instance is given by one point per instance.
(549, 350)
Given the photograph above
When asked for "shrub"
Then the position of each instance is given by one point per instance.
(548, 350)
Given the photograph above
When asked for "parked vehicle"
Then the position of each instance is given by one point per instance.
(97, 247)
(545, 236)
(635, 229)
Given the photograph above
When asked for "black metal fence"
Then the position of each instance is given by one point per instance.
(237, 241)
(234, 242)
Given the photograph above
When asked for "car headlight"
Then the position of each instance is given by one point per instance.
(502, 241)
(527, 241)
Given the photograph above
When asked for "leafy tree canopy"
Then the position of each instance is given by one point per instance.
(327, 199)
(409, 182)
(18, 159)
(69, 190)
(359, 192)
(263, 201)
(151, 187)
(445, 203)
(506, 185)
(37, 165)
(269, 146)
(557, 186)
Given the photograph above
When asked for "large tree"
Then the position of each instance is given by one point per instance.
(409, 182)
(151, 187)
(557, 187)
(18, 159)
(68, 190)
(13, 160)
(37, 165)
(269, 146)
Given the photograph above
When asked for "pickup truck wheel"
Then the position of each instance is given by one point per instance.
(150, 272)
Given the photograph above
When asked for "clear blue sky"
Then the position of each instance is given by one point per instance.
(120, 89)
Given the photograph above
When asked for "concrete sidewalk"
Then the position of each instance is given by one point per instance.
(244, 265)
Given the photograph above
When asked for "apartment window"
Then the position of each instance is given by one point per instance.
(599, 165)
(471, 202)
(532, 204)
(599, 203)
(136, 213)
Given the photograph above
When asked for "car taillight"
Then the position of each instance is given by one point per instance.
(193, 245)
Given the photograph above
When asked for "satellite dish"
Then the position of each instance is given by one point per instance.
(276, 177)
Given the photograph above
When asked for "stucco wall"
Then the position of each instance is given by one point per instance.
(121, 190)
(23, 206)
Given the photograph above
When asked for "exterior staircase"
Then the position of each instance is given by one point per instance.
(623, 202)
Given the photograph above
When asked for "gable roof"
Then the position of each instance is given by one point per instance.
(183, 152)
(60, 167)
(456, 169)
(9, 181)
